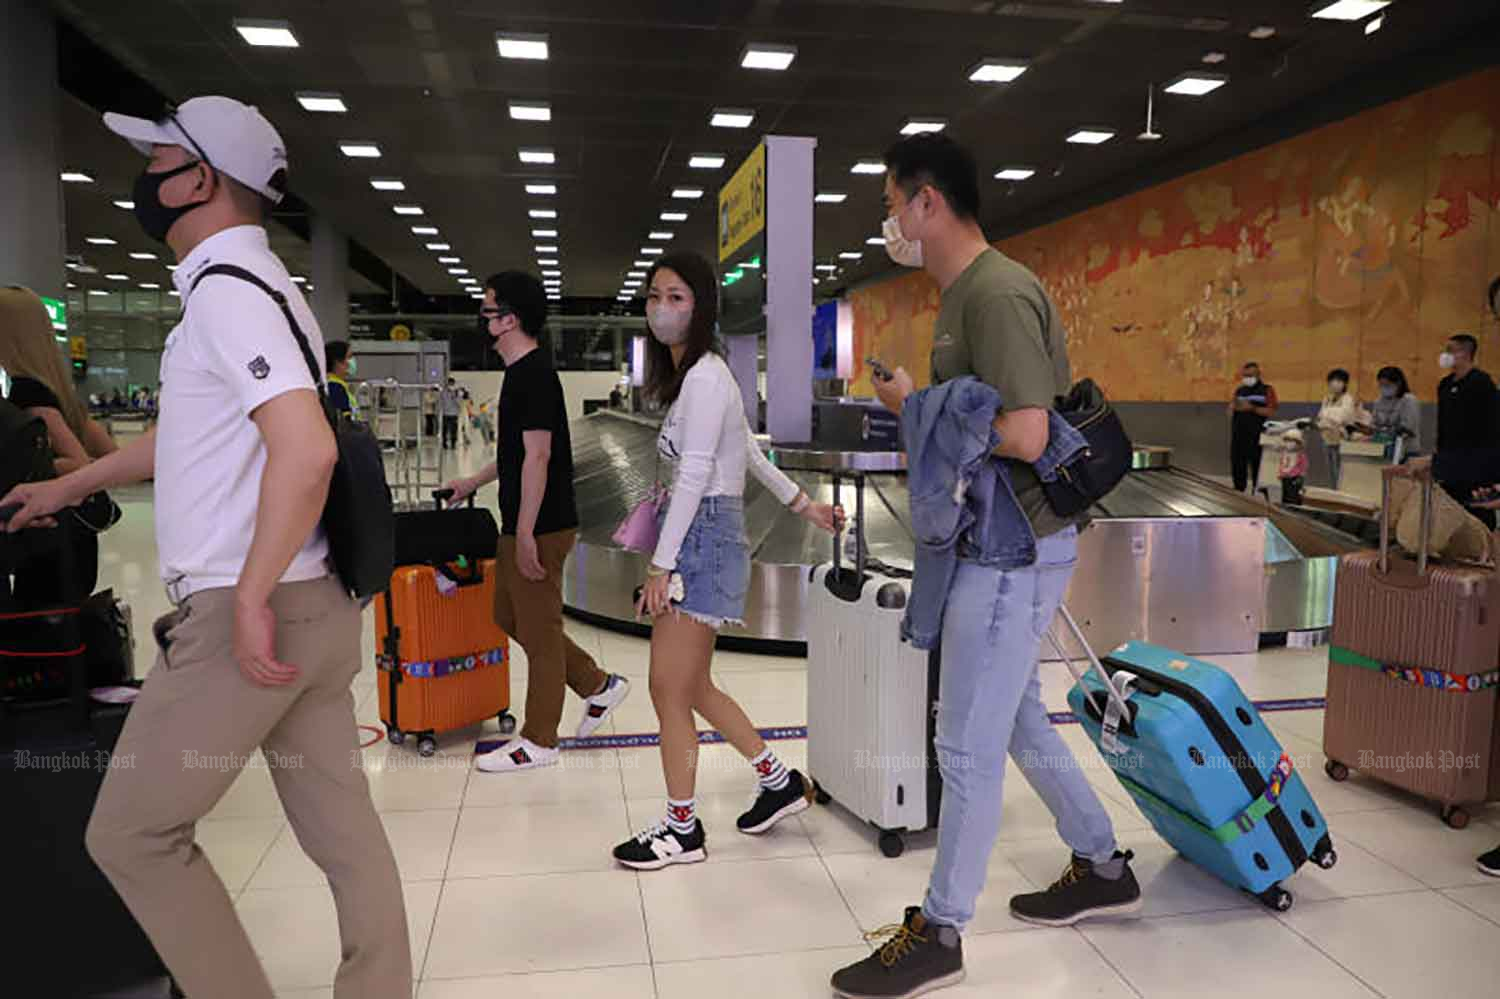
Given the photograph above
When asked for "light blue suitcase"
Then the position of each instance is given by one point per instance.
(1204, 769)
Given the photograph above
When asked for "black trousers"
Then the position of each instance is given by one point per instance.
(1464, 493)
(450, 431)
(1244, 462)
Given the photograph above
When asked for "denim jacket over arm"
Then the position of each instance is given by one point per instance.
(960, 492)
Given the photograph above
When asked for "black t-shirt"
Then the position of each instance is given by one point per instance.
(1468, 427)
(28, 393)
(531, 398)
(1247, 425)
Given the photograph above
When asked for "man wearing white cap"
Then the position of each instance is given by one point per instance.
(261, 649)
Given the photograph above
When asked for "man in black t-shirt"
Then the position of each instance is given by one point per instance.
(539, 525)
(1468, 423)
(1253, 404)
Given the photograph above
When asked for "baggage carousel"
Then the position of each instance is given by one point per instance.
(1170, 557)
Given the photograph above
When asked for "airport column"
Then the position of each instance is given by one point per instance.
(31, 203)
(330, 279)
(789, 304)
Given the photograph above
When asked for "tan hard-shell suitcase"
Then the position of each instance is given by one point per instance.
(1412, 672)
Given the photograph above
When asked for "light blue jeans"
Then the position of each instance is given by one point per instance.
(990, 704)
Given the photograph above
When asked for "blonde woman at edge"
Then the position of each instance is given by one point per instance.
(698, 576)
(40, 383)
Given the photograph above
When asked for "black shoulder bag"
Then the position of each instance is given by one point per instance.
(358, 518)
(1089, 475)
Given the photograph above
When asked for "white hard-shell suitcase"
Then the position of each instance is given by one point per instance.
(871, 698)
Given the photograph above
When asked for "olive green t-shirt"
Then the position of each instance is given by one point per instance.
(998, 324)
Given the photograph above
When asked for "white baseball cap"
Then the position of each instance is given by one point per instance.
(233, 137)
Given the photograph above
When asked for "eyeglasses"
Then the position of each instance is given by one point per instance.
(170, 115)
(489, 312)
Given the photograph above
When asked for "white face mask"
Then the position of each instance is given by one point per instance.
(906, 252)
(1249, 382)
(1335, 388)
(668, 323)
(1446, 360)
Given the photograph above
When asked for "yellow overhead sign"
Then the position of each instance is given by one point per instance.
(742, 204)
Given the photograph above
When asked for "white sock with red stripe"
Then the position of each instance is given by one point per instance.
(770, 770)
(682, 816)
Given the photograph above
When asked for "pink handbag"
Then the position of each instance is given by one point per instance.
(638, 532)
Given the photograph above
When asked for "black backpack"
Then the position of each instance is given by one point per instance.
(358, 518)
(25, 450)
(1089, 475)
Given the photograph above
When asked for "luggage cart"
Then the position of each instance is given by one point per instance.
(417, 460)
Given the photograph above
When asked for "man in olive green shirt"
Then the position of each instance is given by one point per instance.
(998, 325)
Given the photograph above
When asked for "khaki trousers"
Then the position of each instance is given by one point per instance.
(198, 721)
(531, 613)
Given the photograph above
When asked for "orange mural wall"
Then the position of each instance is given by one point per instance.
(1357, 245)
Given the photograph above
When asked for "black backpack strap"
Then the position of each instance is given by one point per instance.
(234, 271)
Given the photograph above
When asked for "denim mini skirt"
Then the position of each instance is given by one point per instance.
(714, 562)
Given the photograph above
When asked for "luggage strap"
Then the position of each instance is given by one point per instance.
(442, 667)
(1242, 823)
(1436, 679)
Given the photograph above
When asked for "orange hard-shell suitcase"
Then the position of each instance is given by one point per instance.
(444, 663)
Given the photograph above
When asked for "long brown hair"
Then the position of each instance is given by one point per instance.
(28, 350)
(663, 378)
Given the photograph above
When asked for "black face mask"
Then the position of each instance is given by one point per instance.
(156, 218)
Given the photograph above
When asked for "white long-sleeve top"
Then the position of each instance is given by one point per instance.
(706, 435)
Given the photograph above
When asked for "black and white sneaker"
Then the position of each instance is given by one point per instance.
(1489, 863)
(661, 846)
(1081, 892)
(770, 807)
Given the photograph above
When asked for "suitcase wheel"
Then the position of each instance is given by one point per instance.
(821, 796)
(1326, 859)
(1336, 770)
(427, 745)
(891, 843)
(1456, 817)
(396, 736)
(507, 722)
(1276, 898)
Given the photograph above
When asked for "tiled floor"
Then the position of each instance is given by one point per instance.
(511, 892)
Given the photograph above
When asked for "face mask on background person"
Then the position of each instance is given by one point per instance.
(668, 324)
(155, 218)
(1446, 360)
(1387, 391)
(353, 366)
(1250, 381)
(1336, 387)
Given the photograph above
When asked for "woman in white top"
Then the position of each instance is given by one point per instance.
(700, 571)
(1339, 412)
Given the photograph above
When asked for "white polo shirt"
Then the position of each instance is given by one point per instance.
(231, 352)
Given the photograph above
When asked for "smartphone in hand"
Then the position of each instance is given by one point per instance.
(879, 370)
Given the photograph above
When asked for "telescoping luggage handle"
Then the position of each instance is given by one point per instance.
(1423, 475)
(1117, 711)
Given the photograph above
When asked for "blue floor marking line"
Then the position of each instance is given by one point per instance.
(646, 740)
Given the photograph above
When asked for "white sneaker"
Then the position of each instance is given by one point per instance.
(517, 754)
(598, 707)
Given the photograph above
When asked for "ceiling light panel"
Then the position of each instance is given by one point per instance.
(359, 150)
(531, 110)
(324, 102)
(75, 177)
(687, 193)
(831, 197)
(407, 209)
(266, 34)
(541, 188)
(450, 260)
(706, 161)
(511, 45)
(1348, 10)
(997, 71)
(542, 213)
(660, 235)
(1091, 136)
(674, 216)
(424, 230)
(439, 246)
(388, 184)
(759, 55)
(546, 249)
(544, 234)
(535, 155)
(868, 167)
(1196, 84)
(1015, 173)
(732, 118)
(916, 126)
